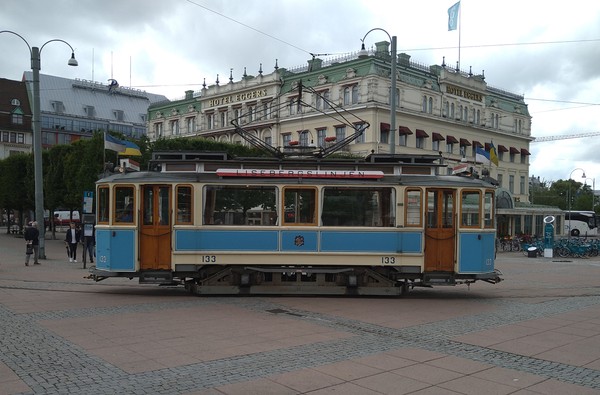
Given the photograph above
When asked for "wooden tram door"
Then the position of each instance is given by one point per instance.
(155, 228)
(440, 230)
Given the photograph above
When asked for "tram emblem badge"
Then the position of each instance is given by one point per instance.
(299, 241)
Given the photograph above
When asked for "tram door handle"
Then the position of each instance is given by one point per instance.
(478, 237)
(114, 233)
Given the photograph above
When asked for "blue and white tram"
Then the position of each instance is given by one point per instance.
(220, 225)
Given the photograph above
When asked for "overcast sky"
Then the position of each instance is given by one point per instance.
(547, 51)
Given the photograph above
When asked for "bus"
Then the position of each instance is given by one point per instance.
(581, 223)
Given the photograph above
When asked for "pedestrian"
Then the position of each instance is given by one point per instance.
(89, 241)
(32, 238)
(72, 238)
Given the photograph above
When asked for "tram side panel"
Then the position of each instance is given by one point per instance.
(476, 252)
(115, 250)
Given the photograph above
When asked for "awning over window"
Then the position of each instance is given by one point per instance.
(421, 133)
(502, 148)
(524, 152)
(437, 137)
(405, 130)
(451, 139)
(513, 150)
(477, 144)
(464, 142)
(384, 127)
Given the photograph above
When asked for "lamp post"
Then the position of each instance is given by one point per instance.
(593, 189)
(36, 66)
(393, 88)
(569, 194)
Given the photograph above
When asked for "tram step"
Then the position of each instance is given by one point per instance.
(438, 279)
(156, 277)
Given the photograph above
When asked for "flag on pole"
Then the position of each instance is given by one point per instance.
(113, 143)
(131, 149)
(453, 16)
(482, 156)
(493, 154)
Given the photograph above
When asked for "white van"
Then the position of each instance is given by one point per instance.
(64, 217)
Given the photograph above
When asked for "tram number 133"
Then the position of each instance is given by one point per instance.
(209, 258)
(388, 260)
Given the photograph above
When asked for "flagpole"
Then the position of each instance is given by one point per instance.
(459, 31)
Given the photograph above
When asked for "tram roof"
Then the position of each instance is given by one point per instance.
(188, 166)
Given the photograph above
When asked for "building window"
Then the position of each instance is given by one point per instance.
(304, 134)
(384, 134)
(512, 158)
(119, 115)
(424, 106)
(210, 120)
(13, 137)
(58, 107)
(420, 142)
(435, 145)
(403, 138)
(90, 111)
(293, 105)
(17, 119)
(511, 183)
(522, 185)
(446, 109)
(354, 94)
(449, 148)
(361, 138)
(430, 105)
(266, 110)
(190, 125)
(286, 138)
(500, 180)
(478, 117)
(20, 138)
(251, 115)
(321, 134)
(340, 133)
(452, 110)
(351, 95)
(175, 127)
(223, 118)
(465, 114)
(158, 130)
(237, 113)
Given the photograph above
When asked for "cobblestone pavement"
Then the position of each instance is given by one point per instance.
(537, 332)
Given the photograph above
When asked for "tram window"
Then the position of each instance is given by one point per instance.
(300, 206)
(412, 203)
(470, 208)
(184, 204)
(103, 204)
(124, 204)
(240, 205)
(488, 209)
(343, 206)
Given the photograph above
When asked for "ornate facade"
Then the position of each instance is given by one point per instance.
(439, 109)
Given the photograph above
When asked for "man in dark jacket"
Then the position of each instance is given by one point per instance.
(32, 235)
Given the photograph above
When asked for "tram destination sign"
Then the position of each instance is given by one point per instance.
(280, 173)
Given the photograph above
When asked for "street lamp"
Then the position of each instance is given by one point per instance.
(593, 190)
(569, 194)
(36, 65)
(393, 89)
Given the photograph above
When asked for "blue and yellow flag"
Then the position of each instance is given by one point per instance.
(131, 149)
(493, 154)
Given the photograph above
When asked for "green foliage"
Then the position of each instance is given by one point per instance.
(561, 192)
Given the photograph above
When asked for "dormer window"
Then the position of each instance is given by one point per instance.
(119, 115)
(58, 107)
(90, 111)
